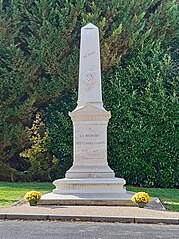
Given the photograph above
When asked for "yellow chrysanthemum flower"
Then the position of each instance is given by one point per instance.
(32, 195)
(141, 197)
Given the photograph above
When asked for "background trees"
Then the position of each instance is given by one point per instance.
(39, 54)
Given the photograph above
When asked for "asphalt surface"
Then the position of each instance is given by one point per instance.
(84, 230)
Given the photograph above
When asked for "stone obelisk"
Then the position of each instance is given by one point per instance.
(90, 179)
(90, 119)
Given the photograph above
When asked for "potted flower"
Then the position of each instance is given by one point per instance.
(32, 197)
(141, 198)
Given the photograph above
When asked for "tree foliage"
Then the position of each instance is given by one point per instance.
(38, 153)
(143, 132)
(39, 55)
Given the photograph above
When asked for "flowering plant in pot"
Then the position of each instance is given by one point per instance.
(32, 197)
(141, 198)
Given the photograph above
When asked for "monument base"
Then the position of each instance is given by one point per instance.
(89, 186)
(87, 199)
(92, 191)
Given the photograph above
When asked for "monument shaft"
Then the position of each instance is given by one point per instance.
(89, 90)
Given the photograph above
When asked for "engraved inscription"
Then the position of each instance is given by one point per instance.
(89, 78)
(83, 136)
(89, 54)
(90, 145)
(89, 135)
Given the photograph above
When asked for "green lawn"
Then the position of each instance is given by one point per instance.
(169, 197)
(12, 192)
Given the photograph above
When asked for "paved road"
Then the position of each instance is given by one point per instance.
(84, 230)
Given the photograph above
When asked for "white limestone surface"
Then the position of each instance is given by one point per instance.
(90, 143)
(89, 90)
(90, 177)
(100, 186)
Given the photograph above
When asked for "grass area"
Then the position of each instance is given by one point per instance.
(12, 192)
(169, 197)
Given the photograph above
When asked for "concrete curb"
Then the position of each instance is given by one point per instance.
(50, 217)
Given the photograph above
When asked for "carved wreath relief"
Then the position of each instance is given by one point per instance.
(89, 78)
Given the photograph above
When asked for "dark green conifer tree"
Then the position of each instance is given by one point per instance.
(39, 54)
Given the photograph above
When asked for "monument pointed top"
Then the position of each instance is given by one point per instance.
(89, 26)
